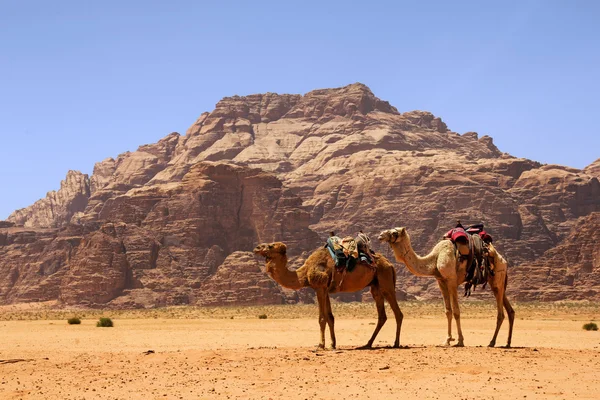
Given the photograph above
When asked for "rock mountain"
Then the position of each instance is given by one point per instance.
(174, 222)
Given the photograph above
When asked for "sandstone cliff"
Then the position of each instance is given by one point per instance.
(172, 222)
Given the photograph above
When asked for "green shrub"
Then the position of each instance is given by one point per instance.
(262, 316)
(104, 323)
(74, 321)
(590, 326)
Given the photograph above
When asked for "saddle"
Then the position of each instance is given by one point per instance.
(472, 245)
(478, 230)
(347, 252)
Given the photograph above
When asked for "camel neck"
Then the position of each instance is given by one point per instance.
(277, 269)
(420, 266)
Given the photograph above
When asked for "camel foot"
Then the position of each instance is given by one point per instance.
(396, 345)
(448, 340)
(321, 346)
(459, 344)
(492, 344)
(367, 346)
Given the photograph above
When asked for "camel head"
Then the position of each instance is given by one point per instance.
(268, 250)
(393, 235)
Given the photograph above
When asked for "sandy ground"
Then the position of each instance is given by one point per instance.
(275, 358)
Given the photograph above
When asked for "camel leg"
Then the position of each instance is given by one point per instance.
(511, 318)
(322, 319)
(381, 317)
(444, 289)
(330, 319)
(509, 311)
(453, 292)
(498, 290)
(391, 299)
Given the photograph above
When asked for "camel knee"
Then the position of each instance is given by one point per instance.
(456, 315)
(322, 320)
(331, 318)
(500, 317)
(448, 314)
(382, 318)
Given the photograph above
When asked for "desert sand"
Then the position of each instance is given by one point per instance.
(229, 353)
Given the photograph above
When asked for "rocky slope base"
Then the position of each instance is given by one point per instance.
(174, 222)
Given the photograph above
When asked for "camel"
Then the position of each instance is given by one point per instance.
(319, 273)
(443, 264)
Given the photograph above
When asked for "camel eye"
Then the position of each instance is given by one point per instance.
(270, 246)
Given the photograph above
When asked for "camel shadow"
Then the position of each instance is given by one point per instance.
(320, 352)
(364, 348)
(488, 347)
(514, 348)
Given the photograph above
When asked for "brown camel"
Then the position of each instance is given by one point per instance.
(319, 273)
(443, 264)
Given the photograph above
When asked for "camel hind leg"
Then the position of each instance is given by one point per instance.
(391, 298)
(500, 316)
(381, 317)
(387, 286)
(511, 314)
(498, 285)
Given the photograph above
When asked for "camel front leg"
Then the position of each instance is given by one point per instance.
(453, 292)
(330, 319)
(446, 296)
(322, 319)
(381, 317)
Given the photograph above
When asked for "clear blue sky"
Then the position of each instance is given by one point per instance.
(81, 81)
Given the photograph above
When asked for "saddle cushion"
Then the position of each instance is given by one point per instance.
(485, 237)
(458, 234)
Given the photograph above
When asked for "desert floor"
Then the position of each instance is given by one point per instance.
(229, 353)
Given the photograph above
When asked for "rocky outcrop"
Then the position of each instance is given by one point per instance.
(593, 169)
(239, 280)
(569, 270)
(58, 207)
(159, 245)
(172, 222)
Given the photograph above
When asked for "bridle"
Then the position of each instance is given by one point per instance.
(395, 236)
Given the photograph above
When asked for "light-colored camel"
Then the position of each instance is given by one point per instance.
(319, 273)
(443, 264)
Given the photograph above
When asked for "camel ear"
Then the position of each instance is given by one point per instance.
(401, 231)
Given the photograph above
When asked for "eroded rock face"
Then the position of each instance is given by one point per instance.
(593, 169)
(573, 266)
(239, 280)
(58, 207)
(172, 222)
(161, 245)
